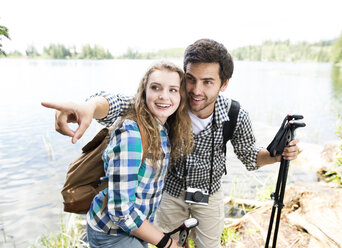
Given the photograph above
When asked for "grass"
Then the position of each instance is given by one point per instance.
(334, 175)
(229, 236)
(6, 240)
(264, 192)
(71, 234)
(72, 231)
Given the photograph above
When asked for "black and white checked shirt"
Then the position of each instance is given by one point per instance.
(198, 163)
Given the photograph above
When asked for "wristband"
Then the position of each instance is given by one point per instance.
(162, 243)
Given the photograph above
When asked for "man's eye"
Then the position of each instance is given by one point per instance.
(189, 78)
(207, 82)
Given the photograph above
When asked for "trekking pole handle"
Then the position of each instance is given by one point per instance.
(293, 127)
(184, 231)
(295, 117)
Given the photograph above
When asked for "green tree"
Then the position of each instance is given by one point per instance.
(86, 52)
(57, 51)
(31, 52)
(336, 53)
(131, 54)
(73, 52)
(95, 52)
(3, 32)
(15, 54)
(285, 51)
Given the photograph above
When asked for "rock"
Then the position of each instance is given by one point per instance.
(330, 150)
(319, 213)
(311, 217)
(309, 157)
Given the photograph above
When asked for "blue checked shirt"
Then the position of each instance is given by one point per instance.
(134, 188)
(197, 164)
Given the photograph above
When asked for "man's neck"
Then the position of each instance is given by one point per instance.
(204, 113)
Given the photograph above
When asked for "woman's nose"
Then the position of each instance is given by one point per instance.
(163, 94)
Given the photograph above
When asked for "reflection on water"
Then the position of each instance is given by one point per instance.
(34, 158)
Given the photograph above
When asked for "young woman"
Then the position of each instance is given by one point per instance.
(158, 119)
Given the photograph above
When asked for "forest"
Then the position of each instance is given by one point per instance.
(270, 51)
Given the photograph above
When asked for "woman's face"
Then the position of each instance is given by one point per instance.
(162, 93)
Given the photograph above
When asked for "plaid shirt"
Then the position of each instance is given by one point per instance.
(134, 188)
(197, 164)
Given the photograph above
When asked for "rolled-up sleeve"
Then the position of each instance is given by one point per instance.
(118, 104)
(243, 141)
(123, 157)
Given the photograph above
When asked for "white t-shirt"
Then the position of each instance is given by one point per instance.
(199, 124)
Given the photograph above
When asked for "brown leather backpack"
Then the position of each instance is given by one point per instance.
(83, 182)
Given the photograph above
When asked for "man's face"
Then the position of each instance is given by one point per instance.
(203, 85)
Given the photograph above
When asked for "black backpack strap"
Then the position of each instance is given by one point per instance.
(229, 126)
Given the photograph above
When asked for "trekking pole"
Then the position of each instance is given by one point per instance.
(282, 139)
(184, 230)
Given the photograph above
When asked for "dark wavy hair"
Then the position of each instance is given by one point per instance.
(210, 51)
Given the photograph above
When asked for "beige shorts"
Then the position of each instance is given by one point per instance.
(173, 211)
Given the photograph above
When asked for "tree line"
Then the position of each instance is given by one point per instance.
(285, 51)
(59, 51)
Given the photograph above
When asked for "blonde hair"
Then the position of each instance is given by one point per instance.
(179, 123)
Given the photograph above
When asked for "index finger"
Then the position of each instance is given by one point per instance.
(53, 105)
(83, 125)
(293, 142)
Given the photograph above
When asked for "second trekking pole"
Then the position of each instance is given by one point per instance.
(282, 139)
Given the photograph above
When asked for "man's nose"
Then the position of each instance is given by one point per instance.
(197, 89)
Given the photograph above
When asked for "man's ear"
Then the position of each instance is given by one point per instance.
(224, 86)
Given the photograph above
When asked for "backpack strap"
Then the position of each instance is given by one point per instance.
(105, 200)
(229, 126)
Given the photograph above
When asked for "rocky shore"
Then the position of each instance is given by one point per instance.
(312, 213)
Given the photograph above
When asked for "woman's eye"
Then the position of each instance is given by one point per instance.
(173, 90)
(154, 87)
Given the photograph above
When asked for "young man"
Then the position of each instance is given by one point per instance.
(193, 185)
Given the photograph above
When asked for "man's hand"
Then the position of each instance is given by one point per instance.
(290, 152)
(80, 113)
(69, 112)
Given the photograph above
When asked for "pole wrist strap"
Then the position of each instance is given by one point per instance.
(162, 243)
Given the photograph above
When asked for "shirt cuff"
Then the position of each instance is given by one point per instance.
(108, 120)
(129, 223)
(252, 165)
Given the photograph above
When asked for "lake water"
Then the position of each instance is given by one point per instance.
(34, 158)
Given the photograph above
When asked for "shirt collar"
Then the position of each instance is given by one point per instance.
(162, 128)
(221, 114)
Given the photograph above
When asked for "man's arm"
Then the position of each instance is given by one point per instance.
(251, 156)
(104, 107)
(290, 153)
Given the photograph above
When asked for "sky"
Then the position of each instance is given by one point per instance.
(150, 25)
